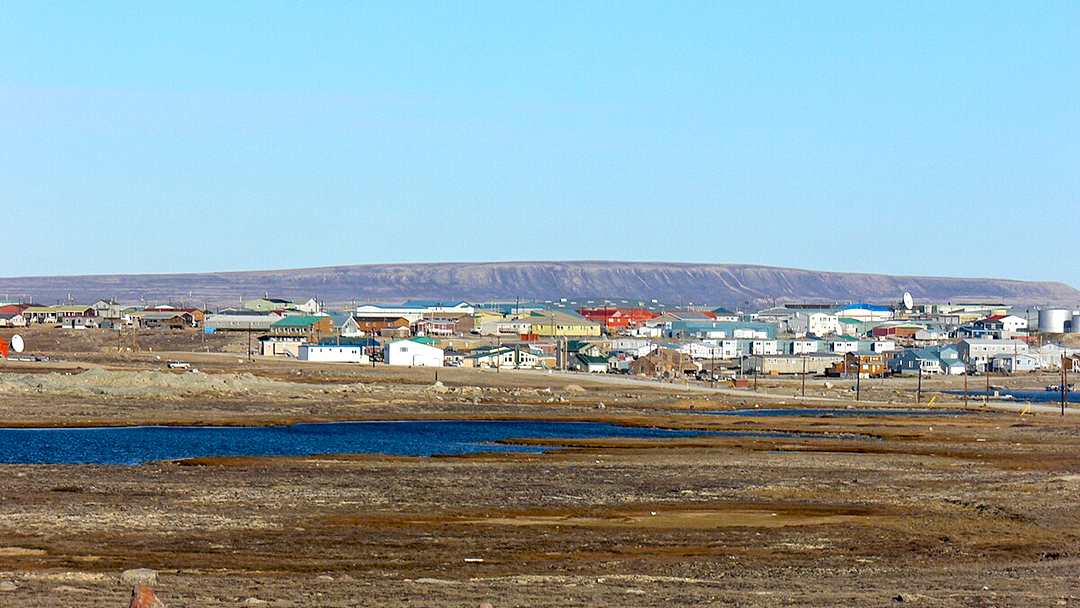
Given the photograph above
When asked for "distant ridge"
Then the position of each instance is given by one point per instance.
(718, 284)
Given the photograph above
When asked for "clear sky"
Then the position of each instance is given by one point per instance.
(899, 137)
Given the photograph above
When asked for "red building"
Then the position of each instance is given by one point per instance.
(618, 318)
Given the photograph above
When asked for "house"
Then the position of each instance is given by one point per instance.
(814, 364)
(866, 364)
(268, 304)
(1050, 355)
(107, 309)
(720, 329)
(979, 352)
(1013, 364)
(817, 324)
(592, 364)
(635, 347)
(903, 331)
(940, 360)
(381, 325)
(764, 347)
(723, 314)
(842, 344)
(414, 352)
(55, 314)
(413, 310)
(194, 317)
(664, 363)
(703, 350)
(81, 322)
(557, 323)
(882, 346)
(310, 328)
(617, 319)
(930, 336)
(443, 324)
(164, 319)
(12, 319)
(345, 353)
(502, 357)
(800, 346)
(346, 326)
(1009, 324)
(240, 320)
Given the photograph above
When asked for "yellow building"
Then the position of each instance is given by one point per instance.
(554, 323)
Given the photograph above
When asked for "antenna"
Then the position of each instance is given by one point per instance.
(17, 343)
(909, 302)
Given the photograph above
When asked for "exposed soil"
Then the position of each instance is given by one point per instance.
(972, 510)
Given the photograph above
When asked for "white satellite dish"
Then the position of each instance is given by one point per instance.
(17, 343)
(909, 302)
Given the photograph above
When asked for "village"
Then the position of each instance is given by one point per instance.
(651, 340)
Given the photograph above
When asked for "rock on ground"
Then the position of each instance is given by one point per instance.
(143, 597)
(139, 576)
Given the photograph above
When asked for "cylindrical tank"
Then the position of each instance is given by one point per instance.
(1075, 323)
(1052, 320)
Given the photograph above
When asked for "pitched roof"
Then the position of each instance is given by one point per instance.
(592, 359)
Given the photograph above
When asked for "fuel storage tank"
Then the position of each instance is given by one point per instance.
(1052, 320)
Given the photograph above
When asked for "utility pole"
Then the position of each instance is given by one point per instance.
(858, 377)
(965, 381)
(804, 375)
(918, 393)
(986, 395)
(1064, 385)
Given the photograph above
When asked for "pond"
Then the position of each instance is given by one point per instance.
(1032, 396)
(135, 445)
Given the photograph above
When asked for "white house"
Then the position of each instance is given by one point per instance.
(1013, 364)
(635, 347)
(726, 349)
(805, 346)
(843, 344)
(1049, 355)
(882, 346)
(413, 352)
(764, 347)
(1009, 324)
(514, 327)
(646, 331)
(334, 353)
(817, 323)
(12, 320)
(703, 350)
(931, 336)
(413, 310)
(980, 351)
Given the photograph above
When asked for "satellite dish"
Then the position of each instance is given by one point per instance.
(909, 303)
(17, 343)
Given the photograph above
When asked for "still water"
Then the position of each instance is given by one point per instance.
(135, 445)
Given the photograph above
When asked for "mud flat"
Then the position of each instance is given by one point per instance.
(978, 509)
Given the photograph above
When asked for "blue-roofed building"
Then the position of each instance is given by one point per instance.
(865, 312)
(723, 314)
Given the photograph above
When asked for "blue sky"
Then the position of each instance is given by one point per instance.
(938, 138)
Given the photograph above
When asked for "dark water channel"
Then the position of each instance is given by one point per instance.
(135, 445)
